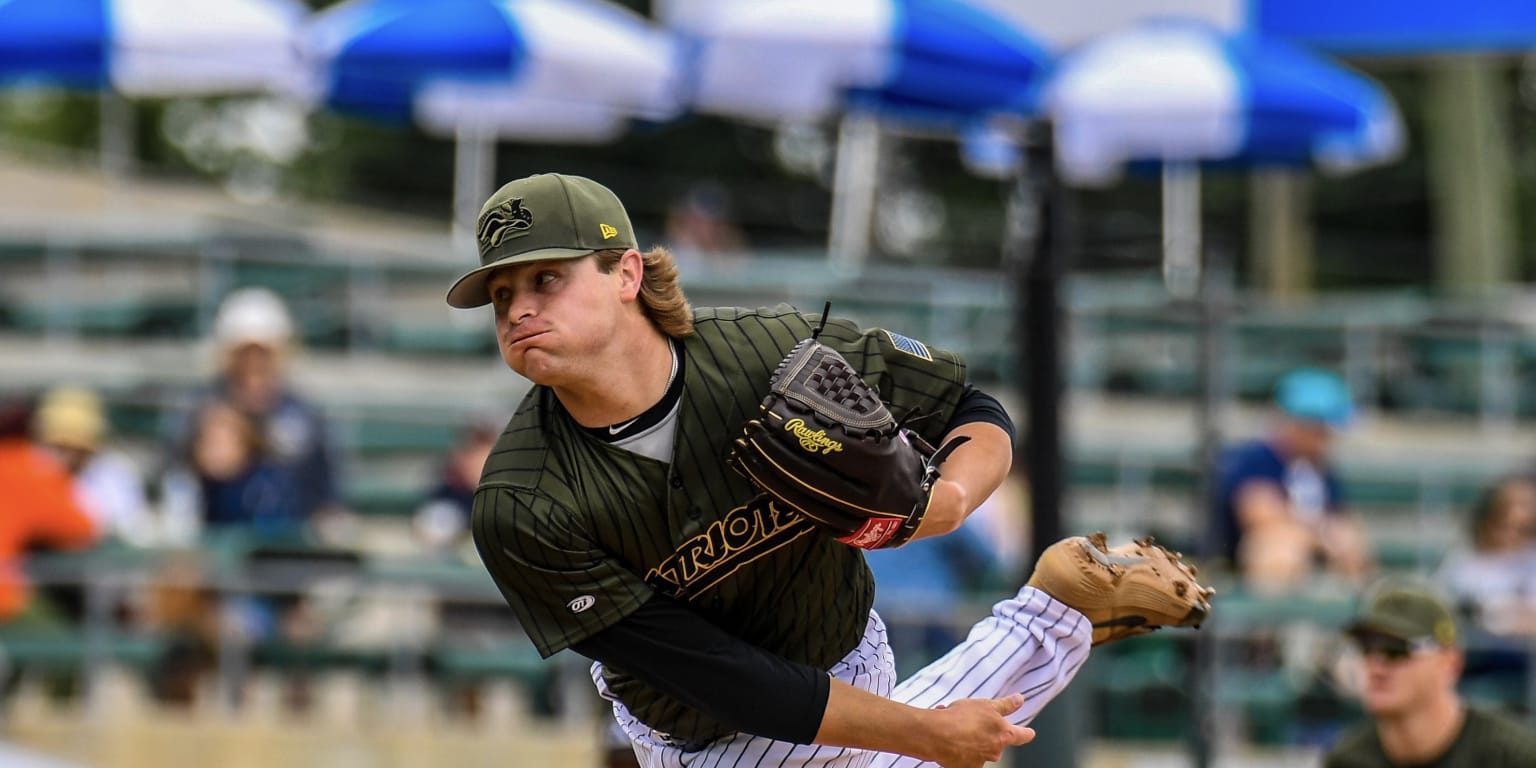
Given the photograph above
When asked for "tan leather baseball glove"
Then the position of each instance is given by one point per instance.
(1126, 591)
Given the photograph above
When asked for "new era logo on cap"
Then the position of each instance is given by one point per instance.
(609, 232)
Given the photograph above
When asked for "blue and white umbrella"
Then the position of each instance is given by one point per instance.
(149, 47)
(787, 60)
(1177, 91)
(135, 48)
(925, 63)
(478, 70)
(1183, 94)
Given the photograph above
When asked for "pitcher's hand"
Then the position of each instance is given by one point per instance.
(978, 731)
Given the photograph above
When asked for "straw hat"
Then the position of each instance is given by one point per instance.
(71, 417)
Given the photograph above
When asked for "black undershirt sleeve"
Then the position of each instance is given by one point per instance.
(674, 649)
(976, 405)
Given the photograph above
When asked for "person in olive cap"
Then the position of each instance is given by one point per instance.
(1413, 659)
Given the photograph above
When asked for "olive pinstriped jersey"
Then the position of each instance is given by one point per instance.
(577, 533)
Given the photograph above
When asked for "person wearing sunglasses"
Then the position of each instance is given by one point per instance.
(1412, 660)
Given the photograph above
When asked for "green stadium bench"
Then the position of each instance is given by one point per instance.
(369, 435)
(169, 317)
(1138, 688)
(290, 278)
(64, 651)
(457, 669)
(298, 658)
(439, 340)
(515, 660)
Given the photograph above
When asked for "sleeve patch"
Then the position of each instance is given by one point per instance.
(912, 347)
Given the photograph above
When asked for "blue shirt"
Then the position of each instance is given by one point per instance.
(931, 574)
(299, 447)
(1312, 489)
(262, 500)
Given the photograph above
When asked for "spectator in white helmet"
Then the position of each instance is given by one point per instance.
(260, 454)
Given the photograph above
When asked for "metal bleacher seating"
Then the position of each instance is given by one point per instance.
(398, 372)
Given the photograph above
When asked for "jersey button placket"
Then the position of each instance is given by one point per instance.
(693, 513)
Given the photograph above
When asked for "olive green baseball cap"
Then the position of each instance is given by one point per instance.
(1405, 611)
(542, 217)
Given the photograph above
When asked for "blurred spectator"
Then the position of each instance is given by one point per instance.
(699, 225)
(239, 481)
(1412, 663)
(72, 422)
(441, 522)
(182, 608)
(259, 453)
(1279, 508)
(920, 586)
(39, 507)
(253, 458)
(1493, 576)
(1003, 521)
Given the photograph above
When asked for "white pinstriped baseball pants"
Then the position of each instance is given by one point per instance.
(1031, 644)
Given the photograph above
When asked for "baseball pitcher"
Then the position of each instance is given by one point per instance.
(685, 495)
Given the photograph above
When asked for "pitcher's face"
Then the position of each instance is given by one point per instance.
(552, 317)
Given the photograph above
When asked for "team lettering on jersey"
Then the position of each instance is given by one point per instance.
(744, 534)
(815, 441)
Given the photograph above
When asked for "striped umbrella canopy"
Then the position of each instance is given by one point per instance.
(479, 70)
(1184, 92)
(1184, 95)
(149, 47)
(931, 64)
(787, 60)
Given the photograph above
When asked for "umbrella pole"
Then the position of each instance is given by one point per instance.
(854, 184)
(1041, 246)
(1213, 309)
(474, 168)
(1187, 280)
(1181, 229)
(116, 141)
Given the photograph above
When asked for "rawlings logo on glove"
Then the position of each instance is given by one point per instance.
(827, 446)
(815, 442)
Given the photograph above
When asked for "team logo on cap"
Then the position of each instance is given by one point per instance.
(609, 232)
(503, 222)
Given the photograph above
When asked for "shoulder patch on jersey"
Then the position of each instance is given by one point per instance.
(912, 347)
(581, 603)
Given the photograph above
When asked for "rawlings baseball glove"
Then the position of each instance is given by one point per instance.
(828, 447)
(1126, 591)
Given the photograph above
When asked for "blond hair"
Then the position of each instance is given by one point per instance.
(661, 297)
